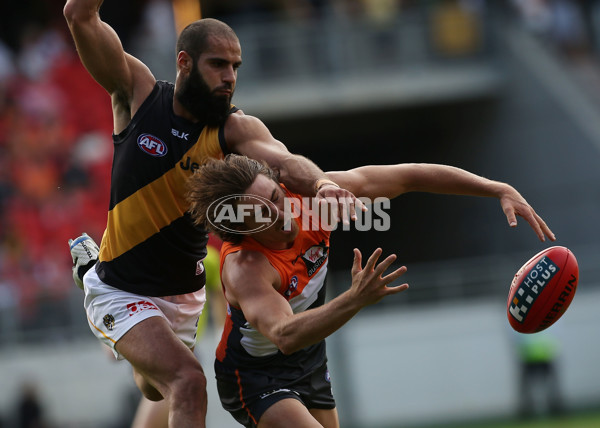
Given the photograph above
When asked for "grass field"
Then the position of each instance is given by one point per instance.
(577, 420)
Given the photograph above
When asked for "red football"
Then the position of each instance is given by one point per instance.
(542, 290)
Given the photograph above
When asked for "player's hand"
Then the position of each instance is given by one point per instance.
(368, 284)
(513, 205)
(342, 203)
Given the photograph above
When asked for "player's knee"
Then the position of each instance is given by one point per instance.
(190, 384)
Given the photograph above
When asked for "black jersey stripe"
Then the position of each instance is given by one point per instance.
(157, 204)
(133, 168)
(164, 264)
(151, 245)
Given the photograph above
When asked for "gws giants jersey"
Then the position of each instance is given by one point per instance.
(150, 245)
(302, 269)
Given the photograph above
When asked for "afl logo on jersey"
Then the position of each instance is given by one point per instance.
(152, 145)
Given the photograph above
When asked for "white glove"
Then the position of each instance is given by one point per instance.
(85, 255)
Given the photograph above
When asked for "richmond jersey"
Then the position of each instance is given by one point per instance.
(302, 269)
(150, 245)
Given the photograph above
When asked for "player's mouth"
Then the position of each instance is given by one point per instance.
(223, 91)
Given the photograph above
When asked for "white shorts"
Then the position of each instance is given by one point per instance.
(112, 312)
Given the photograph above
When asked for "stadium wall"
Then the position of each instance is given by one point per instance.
(406, 366)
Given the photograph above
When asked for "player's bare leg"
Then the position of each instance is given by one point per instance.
(291, 413)
(327, 417)
(151, 414)
(165, 367)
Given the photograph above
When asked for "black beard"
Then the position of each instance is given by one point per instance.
(196, 97)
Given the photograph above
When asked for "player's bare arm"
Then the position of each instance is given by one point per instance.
(291, 332)
(249, 136)
(125, 78)
(393, 180)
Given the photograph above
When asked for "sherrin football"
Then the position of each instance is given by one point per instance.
(542, 290)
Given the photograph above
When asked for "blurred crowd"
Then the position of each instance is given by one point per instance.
(55, 152)
(56, 123)
(572, 26)
(571, 29)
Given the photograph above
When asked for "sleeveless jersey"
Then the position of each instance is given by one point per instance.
(150, 245)
(302, 269)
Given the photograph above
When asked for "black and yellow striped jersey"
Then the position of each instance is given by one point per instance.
(150, 245)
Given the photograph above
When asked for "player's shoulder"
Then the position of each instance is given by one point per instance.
(246, 258)
(244, 265)
(246, 262)
(239, 124)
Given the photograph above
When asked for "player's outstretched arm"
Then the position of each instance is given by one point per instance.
(390, 181)
(249, 136)
(124, 77)
(271, 314)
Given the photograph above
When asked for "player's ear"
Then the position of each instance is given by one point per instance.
(184, 62)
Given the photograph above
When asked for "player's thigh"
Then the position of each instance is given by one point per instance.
(156, 352)
(326, 417)
(288, 413)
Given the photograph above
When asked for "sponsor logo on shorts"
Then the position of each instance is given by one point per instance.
(109, 321)
(327, 376)
(276, 391)
(531, 286)
(142, 305)
(152, 145)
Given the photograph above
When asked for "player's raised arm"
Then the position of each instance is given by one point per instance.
(249, 136)
(124, 77)
(291, 331)
(389, 181)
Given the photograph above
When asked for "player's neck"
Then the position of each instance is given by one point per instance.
(274, 244)
(181, 111)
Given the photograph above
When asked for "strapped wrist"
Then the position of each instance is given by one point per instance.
(324, 182)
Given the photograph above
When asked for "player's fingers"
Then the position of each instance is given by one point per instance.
(534, 221)
(511, 217)
(356, 204)
(396, 289)
(356, 265)
(394, 275)
(544, 227)
(361, 205)
(328, 207)
(352, 207)
(372, 261)
(343, 203)
(382, 267)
